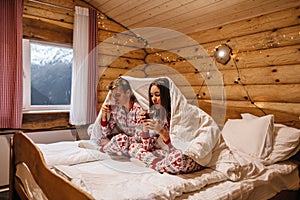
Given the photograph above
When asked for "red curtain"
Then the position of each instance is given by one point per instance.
(11, 82)
(93, 68)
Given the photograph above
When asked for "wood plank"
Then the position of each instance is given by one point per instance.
(109, 25)
(112, 73)
(126, 39)
(118, 51)
(288, 55)
(285, 93)
(288, 74)
(233, 14)
(263, 40)
(46, 12)
(55, 4)
(119, 62)
(284, 113)
(51, 33)
(104, 83)
(275, 56)
(111, 5)
(45, 121)
(288, 108)
(231, 92)
(128, 8)
(104, 34)
(49, 21)
(274, 93)
(151, 12)
(187, 13)
(268, 22)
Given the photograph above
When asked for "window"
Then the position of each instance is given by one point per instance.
(47, 76)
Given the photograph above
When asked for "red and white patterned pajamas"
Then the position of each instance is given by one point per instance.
(129, 130)
(171, 161)
(162, 156)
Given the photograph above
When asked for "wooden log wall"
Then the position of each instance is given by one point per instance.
(262, 77)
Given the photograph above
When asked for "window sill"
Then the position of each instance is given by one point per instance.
(44, 111)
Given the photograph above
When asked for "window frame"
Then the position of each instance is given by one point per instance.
(27, 107)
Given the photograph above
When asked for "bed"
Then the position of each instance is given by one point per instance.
(251, 158)
(108, 177)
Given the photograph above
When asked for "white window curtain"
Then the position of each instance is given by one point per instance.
(83, 93)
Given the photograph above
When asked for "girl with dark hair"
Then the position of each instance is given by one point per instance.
(156, 149)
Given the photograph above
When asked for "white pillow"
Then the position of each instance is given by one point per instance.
(252, 136)
(286, 141)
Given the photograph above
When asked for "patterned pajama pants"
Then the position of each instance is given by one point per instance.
(118, 143)
(173, 162)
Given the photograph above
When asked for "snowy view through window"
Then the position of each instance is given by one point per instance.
(51, 73)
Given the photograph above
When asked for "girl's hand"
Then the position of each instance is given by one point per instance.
(150, 124)
(106, 108)
(143, 115)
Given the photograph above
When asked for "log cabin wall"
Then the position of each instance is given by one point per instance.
(262, 78)
(264, 75)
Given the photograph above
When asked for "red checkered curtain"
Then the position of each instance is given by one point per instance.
(11, 81)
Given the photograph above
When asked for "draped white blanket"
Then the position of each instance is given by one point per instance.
(191, 129)
(194, 132)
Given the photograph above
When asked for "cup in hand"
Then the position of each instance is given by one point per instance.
(149, 114)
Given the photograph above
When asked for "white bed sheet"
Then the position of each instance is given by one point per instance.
(68, 153)
(277, 177)
(110, 179)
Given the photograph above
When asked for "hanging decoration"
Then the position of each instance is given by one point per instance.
(223, 53)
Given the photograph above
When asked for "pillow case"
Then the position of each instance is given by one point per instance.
(286, 141)
(252, 136)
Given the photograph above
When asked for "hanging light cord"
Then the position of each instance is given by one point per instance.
(244, 87)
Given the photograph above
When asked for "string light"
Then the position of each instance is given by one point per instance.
(240, 82)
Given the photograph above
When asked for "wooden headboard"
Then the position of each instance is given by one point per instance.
(23, 150)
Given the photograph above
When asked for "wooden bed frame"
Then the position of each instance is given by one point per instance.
(23, 150)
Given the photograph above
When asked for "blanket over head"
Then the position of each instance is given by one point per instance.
(192, 130)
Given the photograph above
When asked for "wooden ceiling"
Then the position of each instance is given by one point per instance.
(187, 16)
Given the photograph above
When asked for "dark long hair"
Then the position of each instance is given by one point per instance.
(163, 85)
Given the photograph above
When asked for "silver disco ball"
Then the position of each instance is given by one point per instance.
(223, 53)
